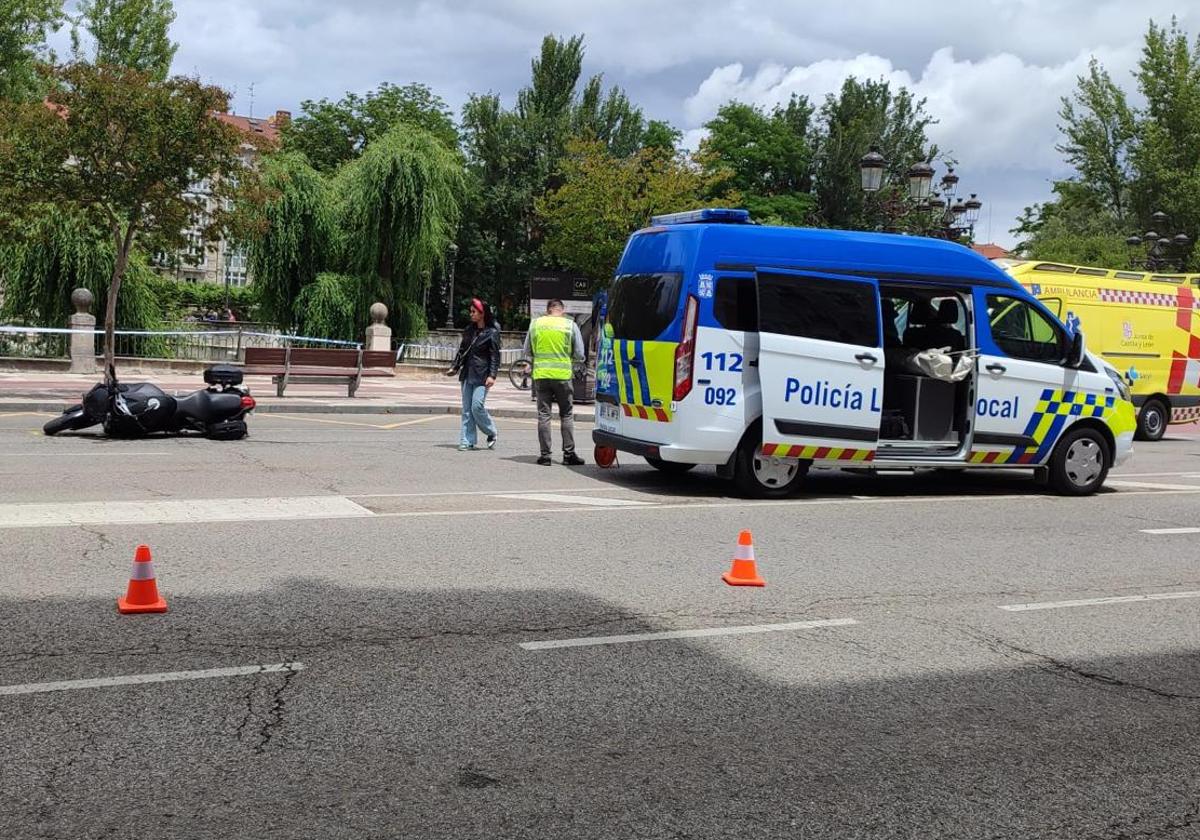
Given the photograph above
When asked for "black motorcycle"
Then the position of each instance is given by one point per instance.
(135, 410)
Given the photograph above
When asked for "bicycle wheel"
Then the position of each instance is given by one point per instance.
(520, 374)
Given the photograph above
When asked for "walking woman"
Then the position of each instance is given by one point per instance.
(477, 363)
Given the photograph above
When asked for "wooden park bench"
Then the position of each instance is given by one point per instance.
(304, 364)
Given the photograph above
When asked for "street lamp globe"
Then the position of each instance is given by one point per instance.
(872, 167)
(936, 202)
(920, 180)
(1133, 241)
(1150, 236)
(959, 208)
(949, 181)
(973, 205)
(1181, 241)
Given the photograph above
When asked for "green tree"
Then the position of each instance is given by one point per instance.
(1128, 162)
(861, 114)
(1167, 155)
(293, 235)
(604, 198)
(401, 203)
(119, 149)
(127, 33)
(332, 133)
(662, 136)
(765, 157)
(60, 252)
(24, 25)
(1099, 131)
(610, 118)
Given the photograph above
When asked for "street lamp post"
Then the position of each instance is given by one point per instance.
(450, 293)
(937, 214)
(1161, 253)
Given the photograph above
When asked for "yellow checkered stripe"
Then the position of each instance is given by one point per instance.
(817, 453)
(1053, 412)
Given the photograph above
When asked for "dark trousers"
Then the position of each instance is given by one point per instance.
(549, 391)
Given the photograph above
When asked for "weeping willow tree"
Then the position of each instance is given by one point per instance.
(293, 240)
(400, 205)
(57, 253)
(331, 306)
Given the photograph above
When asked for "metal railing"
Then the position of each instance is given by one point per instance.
(196, 343)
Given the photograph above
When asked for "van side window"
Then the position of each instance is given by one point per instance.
(1023, 332)
(735, 304)
(845, 311)
(1054, 305)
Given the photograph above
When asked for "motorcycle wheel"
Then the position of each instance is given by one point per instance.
(73, 419)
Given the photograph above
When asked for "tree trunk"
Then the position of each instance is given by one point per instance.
(123, 244)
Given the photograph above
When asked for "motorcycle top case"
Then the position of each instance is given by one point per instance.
(223, 375)
(142, 409)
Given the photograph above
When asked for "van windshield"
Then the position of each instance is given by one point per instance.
(641, 306)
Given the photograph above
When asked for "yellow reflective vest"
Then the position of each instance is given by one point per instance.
(552, 341)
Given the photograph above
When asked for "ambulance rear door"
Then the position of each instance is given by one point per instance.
(820, 364)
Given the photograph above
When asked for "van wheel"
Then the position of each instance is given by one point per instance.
(760, 477)
(668, 467)
(1080, 463)
(1152, 420)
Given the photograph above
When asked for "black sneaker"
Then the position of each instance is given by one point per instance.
(491, 442)
(544, 461)
(573, 460)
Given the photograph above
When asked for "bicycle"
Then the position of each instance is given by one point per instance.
(520, 374)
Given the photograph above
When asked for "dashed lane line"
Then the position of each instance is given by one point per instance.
(1094, 602)
(1164, 531)
(143, 679)
(1147, 485)
(706, 632)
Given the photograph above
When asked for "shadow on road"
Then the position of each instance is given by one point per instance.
(418, 716)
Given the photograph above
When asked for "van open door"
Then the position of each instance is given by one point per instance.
(820, 365)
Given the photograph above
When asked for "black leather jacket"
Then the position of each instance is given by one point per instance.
(478, 355)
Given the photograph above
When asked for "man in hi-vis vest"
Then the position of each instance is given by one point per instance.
(555, 344)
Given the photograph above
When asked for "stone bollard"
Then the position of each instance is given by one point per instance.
(379, 334)
(83, 346)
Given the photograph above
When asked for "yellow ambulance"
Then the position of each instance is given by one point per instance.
(1145, 325)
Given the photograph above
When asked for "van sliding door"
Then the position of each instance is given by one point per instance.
(820, 364)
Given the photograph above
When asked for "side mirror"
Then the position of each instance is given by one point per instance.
(1076, 354)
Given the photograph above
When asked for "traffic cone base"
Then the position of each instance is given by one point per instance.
(744, 571)
(142, 595)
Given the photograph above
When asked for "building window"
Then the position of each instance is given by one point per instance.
(235, 267)
(195, 255)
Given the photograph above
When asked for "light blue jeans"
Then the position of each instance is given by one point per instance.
(475, 414)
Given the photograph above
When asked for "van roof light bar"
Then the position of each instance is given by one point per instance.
(724, 215)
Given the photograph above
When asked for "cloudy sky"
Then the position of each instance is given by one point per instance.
(993, 71)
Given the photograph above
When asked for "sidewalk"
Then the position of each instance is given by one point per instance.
(52, 392)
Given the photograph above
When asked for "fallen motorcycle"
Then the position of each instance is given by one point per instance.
(217, 411)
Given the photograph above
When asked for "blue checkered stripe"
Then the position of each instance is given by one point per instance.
(1054, 412)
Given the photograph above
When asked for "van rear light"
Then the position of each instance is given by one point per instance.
(248, 403)
(685, 353)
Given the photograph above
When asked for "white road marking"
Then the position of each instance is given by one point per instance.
(594, 501)
(499, 492)
(1124, 475)
(172, 511)
(142, 679)
(1146, 485)
(83, 456)
(1171, 531)
(590, 641)
(1091, 602)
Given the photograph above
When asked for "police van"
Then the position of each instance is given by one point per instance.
(767, 350)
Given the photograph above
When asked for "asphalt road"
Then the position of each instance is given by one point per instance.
(397, 590)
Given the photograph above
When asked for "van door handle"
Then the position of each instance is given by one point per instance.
(996, 368)
(867, 357)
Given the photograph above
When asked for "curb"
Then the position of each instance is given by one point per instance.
(584, 414)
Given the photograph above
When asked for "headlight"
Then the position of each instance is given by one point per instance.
(1119, 381)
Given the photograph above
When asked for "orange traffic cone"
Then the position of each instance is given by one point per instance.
(744, 572)
(142, 595)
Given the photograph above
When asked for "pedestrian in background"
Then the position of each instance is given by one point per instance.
(555, 344)
(477, 363)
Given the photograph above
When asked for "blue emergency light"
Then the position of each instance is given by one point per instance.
(708, 214)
